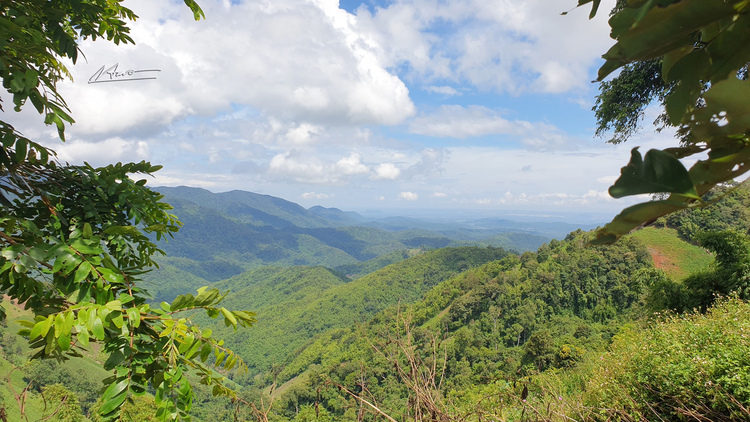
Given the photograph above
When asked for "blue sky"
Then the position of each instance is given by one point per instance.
(408, 104)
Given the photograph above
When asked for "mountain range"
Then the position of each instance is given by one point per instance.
(226, 234)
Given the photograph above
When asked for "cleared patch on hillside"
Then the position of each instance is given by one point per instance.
(673, 255)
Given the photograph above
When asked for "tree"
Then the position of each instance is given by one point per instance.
(704, 48)
(75, 239)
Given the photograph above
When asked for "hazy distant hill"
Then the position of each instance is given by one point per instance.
(225, 234)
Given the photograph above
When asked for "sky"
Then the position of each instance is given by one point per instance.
(360, 105)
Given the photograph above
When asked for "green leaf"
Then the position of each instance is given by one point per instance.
(41, 328)
(653, 31)
(114, 397)
(205, 351)
(98, 329)
(87, 232)
(206, 297)
(82, 272)
(135, 317)
(182, 301)
(229, 318)
(114, 305)
(64, 341)
(59, 325)
(660, 172)
(83, 338)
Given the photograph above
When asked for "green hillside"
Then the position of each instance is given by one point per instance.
(567, 295)
(673, 255)
(302, 303)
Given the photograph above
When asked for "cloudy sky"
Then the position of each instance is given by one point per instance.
(404, 104)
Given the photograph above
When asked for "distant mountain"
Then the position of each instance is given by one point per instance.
(225, 234)
(335, 214)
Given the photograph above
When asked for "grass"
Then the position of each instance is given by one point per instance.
(676, 257)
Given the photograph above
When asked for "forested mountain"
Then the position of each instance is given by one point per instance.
(228, 233)
(295, 304)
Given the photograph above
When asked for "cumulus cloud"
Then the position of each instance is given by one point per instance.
(302, 60)
(439, 195)
(507, 46)
(302, 134)
(408, 196)
(104, 152)
(386, 171)
(352, 165)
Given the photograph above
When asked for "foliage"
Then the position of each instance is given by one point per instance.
(691, 366)
(701, 43)
(621, 103)
(731, 272)
(732, 212)
(75, 239)
(484, 327)
(63, 404)
(296, 304)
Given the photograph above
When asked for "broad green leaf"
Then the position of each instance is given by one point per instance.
(87, 232)
(182, 301)
(114, 305)
(660, 31)
(659, 172)
(64, 341)
(98, 328)
(730, 50)
(114, 397)
(689, 71)
(83, 338)
(83, 248)
(135, 317)
(82, 272)
(41, 328)
(59, 325)
(110, 276)
(205, 351)
(229, 318)
(206, 297)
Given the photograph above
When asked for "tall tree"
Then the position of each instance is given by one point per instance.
(75, 239)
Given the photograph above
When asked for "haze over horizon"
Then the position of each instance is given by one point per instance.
(360, 105)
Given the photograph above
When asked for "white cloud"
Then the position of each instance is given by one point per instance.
(297, 59)
(443, 89)
(507, 46)
(313, 195)
(302, 134)
(299, 169)
(101, 153)
(439, 195)
(408, 196)
(352, 165)
(386, 171)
